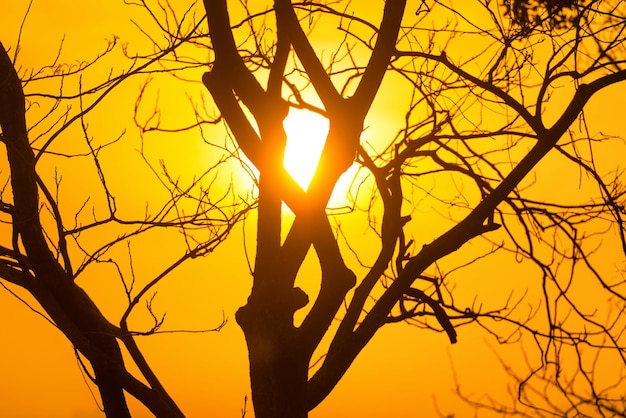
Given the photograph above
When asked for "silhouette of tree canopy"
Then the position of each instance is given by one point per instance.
(533, 14)
(469, 125)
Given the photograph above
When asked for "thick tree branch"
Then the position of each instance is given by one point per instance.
(384, 50)
(324, 87)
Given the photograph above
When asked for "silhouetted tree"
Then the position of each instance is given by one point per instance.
(51, 245)
(489, 90)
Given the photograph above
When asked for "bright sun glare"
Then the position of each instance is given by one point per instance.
(306, 134)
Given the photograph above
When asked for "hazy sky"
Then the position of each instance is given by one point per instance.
(404, 371)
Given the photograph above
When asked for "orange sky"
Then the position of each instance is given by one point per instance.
(403, 372)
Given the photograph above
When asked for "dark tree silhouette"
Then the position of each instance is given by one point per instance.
(533, 14)
(50, 249)
(492, 92)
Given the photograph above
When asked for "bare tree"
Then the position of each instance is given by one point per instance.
(51, 245)
(491, 93)
(480, 112)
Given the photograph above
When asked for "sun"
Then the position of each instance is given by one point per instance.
(306, 134)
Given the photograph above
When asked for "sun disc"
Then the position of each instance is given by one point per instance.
(306, 134)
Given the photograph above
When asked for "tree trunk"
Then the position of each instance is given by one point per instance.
(111, 393)
(278, 366)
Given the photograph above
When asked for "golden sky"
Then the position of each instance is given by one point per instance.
(404, 371)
